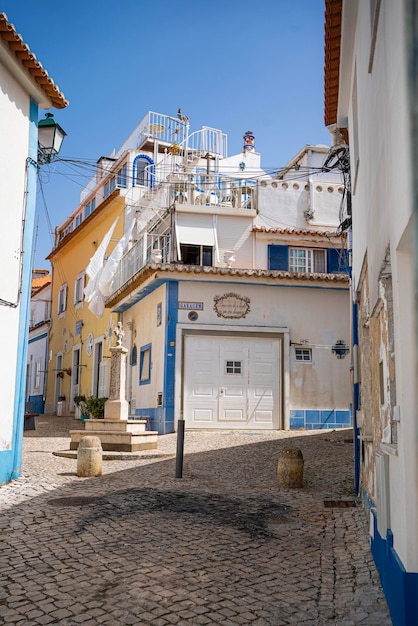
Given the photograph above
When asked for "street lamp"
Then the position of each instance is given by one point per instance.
(50, 138)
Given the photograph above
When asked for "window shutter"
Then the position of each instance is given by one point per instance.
(103, 380)
(278, 257)
(337, 261)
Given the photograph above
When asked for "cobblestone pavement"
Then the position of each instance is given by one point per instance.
(222, 545)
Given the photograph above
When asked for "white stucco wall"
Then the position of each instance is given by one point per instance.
(382, 208)
(14, 133)
(324, 384)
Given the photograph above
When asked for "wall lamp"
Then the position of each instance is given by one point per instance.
(340, 348)
(50, 138)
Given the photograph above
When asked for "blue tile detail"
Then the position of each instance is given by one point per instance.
(319, 419)
(328, 417)
(296, 423)
(343, 417)
(313, 417)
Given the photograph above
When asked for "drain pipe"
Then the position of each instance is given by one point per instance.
(355, 370)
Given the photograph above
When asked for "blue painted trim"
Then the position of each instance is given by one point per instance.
(356, 404)
(172, 297)
(38, 338)
(142, 350)
(156, 418)
(152, 169)
(6, 465)
(24, 309)
(400, 587)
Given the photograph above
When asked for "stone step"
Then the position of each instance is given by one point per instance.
(123, 426)
(118, 441)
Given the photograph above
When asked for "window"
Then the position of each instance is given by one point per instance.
(196, 255)
(121, 177)
(79, 288)
(62, 299)
(78, 219)
(134, 355)
(303, 354)
(319, 260)
(109, 187)
(143, 170)
(233, 367)
(145, 365)
(90, 206)
(304, 260)
(37, 377)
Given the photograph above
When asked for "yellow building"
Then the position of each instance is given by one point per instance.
(79, 341)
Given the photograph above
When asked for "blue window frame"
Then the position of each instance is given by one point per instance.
(331, 260)
(145, 364)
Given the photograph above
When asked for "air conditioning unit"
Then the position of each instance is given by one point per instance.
(382, 494)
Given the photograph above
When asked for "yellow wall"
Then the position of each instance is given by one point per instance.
(69, 259)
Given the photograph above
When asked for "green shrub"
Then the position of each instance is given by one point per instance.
(91, 406)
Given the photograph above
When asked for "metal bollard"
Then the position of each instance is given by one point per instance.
(89, 456)
(290, 468)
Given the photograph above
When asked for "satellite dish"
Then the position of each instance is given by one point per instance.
(155, 129)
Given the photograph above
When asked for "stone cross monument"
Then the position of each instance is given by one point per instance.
(117, 407)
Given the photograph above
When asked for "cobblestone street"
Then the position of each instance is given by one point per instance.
(223, 545)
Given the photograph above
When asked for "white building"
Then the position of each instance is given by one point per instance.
(368, 91)
(234, 289)
(39, 326)
(25, 87)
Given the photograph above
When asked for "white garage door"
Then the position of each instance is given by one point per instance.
(232, 383)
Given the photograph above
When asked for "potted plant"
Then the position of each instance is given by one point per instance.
(95, 406)
(80, 402)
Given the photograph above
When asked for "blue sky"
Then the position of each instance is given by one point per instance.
(236, 65)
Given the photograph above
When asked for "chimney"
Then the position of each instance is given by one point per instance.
(249, 142)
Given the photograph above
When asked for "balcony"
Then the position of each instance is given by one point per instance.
(139, 255)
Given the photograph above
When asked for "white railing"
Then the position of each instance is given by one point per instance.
(139, 255)
(212, 190)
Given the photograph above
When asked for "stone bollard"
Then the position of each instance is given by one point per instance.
(290, 468)
(89, 456)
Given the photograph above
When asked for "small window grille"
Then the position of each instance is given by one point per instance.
(233, 367)
(303, 354)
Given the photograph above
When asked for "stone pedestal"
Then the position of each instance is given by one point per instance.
(117, 407)
(116, 432)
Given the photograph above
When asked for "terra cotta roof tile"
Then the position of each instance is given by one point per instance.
(29, 61)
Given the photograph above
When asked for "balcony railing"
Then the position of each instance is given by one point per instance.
(139, 255)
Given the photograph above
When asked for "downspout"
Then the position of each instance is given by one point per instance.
(355, 372)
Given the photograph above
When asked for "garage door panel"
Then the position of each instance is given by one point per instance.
(232, 415)
(263, 417)
(202, 390)
(232, 382)
(263, 392)
(233, 392)
(203, 416)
